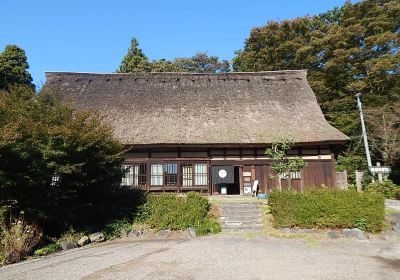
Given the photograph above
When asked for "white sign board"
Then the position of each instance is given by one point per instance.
(379, 169)
(246, 174)
(247, 190)
(255, 185)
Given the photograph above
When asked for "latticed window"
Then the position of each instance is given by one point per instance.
(200, 174)
(187, 174)
(170, 173)
(295, 175)
(157, 176)
(134, 174)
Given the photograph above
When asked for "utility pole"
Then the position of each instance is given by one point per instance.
(364, 133)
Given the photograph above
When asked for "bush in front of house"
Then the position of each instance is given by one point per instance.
(387, 188)
(328, 209)
(169, 211)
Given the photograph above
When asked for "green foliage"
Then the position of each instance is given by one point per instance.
(397, 195)
(113, 230)
(386, 188)
(346, 50)
(328, 209)
(135, 60)
(200, 63)
(71, 235)
(48, 249)
(14, 68)
(169, 211)
(350, 164)
(41, 138)
(208, 226)
(284, 166)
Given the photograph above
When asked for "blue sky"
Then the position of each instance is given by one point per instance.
(93, 36)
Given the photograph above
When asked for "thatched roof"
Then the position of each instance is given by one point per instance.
(181, 108)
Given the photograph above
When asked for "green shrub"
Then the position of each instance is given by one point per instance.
(48, 249)
(208, 226)
(328, 209)
(169, 211)
(113, 230)
(386, 188)
(398, 194)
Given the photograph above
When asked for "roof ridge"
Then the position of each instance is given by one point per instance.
(183, 73)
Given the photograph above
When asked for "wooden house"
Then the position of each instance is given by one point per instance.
(208, 132)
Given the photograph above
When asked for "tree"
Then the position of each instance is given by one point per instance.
(14, 68)
(383, 126)
(281, 164)
(351, 49)
(164, 65)
(201, 63)
(57, 163)
(135, 60)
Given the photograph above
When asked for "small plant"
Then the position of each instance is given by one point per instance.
(48, 249)
(398, 194)
(71, 235)
(386, 188)
(19, 238)
(113, 230)
(282, 165)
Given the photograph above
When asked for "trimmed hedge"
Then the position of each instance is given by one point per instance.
(328, 209)
(169, 211)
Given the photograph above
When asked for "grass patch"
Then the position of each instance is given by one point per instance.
(328, 209)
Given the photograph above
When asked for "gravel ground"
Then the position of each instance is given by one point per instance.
(221, 256)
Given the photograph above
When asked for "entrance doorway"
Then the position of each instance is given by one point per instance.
(226, 180)
(234, 188)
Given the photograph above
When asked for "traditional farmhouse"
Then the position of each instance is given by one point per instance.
(208, 132)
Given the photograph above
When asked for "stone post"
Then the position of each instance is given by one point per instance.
(359, 175)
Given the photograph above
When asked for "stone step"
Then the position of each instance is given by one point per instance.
(239, 205)
(240, 223)
(240, 218)
(255, 207)
(240, 213)
(243, 229)
(249, 226)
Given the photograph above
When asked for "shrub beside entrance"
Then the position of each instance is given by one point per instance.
(328, 209)
(169, 211)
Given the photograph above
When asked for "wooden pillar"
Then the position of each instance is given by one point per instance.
(241, 179)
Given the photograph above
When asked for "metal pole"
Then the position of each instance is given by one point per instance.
(364, 133)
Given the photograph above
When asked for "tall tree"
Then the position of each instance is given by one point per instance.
(383, 125)
(14, 68)
(354, 48)
(350, 49)
(201, 63)
(135, 60)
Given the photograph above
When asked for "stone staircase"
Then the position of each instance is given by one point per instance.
(240, 216)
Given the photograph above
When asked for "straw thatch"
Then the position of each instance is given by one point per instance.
(181, 108)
